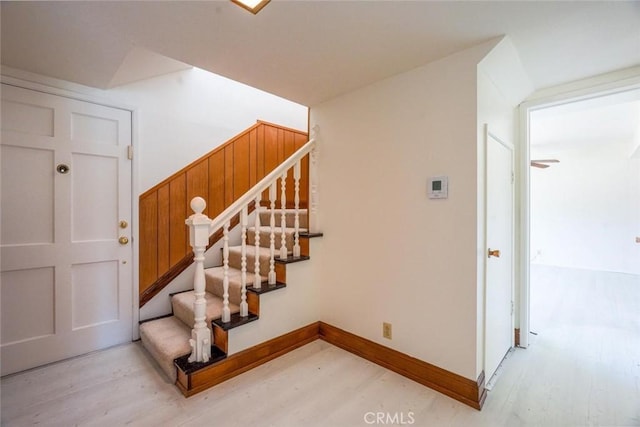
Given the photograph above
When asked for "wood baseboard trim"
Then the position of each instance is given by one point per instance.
(246, 360)
(469, 392)
(462, 389)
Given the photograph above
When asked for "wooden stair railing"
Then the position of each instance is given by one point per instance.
(201, 227)
(223, 176)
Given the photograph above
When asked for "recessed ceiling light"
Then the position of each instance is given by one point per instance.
(253, 6)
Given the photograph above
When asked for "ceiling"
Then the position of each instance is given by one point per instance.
(610, 119)
(310, 51)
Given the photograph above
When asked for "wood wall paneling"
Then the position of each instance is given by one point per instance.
(280, 158)
(228, 176)
(270, 145)
(164, 235)
(198, 185)
(260, 150)
(177, 216)
(220, 177)
(270, 149)
(216, 184)
(241, 166)
(148, 236)
(253, 157)
(280, 146)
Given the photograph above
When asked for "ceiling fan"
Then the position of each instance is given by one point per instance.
(542, 163)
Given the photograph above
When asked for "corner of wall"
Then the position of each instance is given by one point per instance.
(387, 139)
(504, 67)
(503, 84)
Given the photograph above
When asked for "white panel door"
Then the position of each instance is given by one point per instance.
(499, 266)
(66, 281)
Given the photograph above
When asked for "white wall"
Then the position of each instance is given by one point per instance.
(390, 253)
(287, 309)
(186, 114)
(585, 211)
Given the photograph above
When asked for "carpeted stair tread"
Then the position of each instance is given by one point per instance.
(264, 254)
(166, 339)
(182, 304)
(265, 217)
(265, 236)
(214, 281)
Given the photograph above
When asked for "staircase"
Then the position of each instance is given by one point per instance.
(221, 177)
(167, 338)
(191, 344)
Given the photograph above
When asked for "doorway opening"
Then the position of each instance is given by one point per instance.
(606, 95)
(579, 252)
(584, 215)
(580, 227)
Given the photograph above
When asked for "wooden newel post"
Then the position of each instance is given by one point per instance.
(314, 194)
(199, 228)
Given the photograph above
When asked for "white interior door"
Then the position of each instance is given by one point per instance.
(499, 266)
(66, 280)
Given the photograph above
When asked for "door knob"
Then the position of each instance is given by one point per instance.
(493, 252)
(123, 240)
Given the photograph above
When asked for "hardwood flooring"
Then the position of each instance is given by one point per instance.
(583, 368)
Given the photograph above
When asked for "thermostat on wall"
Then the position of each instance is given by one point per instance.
(438, 187)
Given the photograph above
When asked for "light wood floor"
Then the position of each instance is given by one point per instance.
(583, 368)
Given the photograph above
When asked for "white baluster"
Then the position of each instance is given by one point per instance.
(226, 312)
(257, 279)
(272, 236)
(244, 308)
(199, 238)
(296, 223)
(314, 223)
(283, 216)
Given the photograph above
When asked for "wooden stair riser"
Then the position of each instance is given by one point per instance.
(221, 338)
(304, 246)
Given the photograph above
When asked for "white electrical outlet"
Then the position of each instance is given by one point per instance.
(386, 330)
